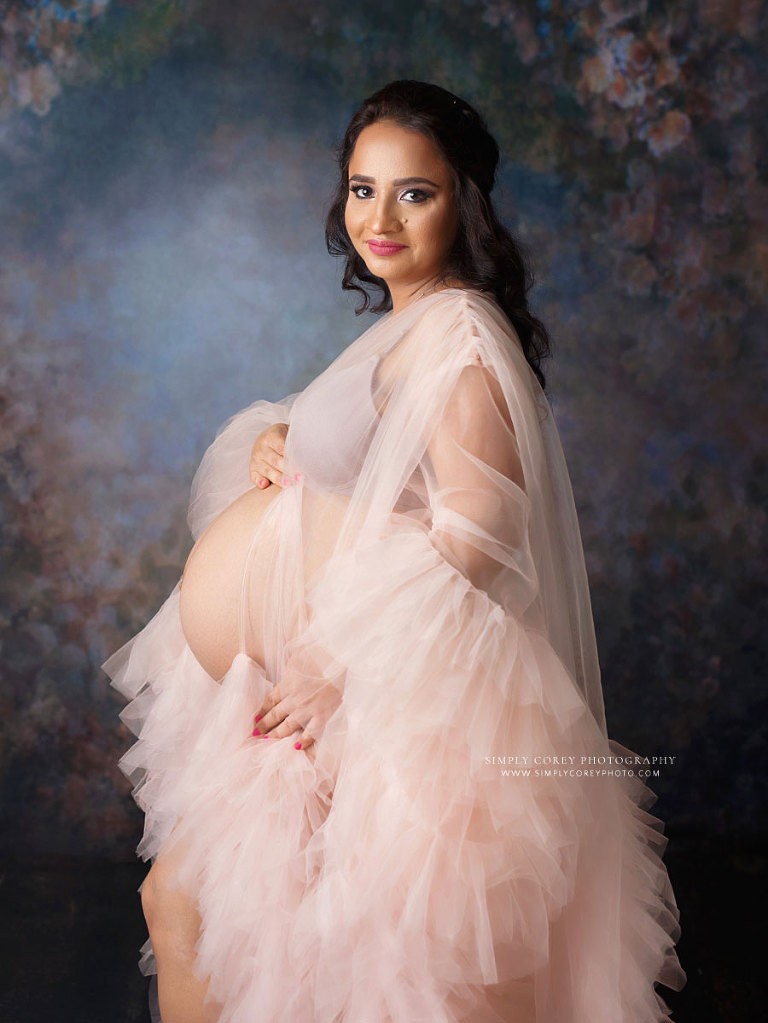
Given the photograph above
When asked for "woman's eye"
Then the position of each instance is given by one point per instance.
(358, 189)
(418, 195)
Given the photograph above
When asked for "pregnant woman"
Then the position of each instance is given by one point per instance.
(366, 716)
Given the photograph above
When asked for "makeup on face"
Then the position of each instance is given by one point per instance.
(400, 212)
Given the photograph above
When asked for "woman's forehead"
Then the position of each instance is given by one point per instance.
(388, 152)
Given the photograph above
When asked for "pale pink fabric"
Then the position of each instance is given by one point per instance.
(398, 875)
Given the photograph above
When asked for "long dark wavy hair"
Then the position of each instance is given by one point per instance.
(484, 254)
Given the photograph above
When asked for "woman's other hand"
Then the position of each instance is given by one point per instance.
(302, 702)
(266, 465)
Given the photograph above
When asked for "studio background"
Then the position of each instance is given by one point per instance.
(165, 168)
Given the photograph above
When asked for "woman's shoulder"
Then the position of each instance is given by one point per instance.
(468, 304)
(477, 317)
(446, 329)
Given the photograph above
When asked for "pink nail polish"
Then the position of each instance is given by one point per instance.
(255, 732)
(297, 745)
(258, 717)
(297, 476)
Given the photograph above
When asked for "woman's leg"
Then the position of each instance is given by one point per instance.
(174, 927)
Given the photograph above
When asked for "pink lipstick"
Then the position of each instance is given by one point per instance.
(384, 248)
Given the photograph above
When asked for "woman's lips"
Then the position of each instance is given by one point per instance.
(385, 248)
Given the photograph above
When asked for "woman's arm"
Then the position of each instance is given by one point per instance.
(477, 490)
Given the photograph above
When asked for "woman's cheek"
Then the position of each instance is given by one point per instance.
(351, 217)
(353, 230)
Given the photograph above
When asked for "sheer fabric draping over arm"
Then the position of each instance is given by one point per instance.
(399, 874)
(223, 474)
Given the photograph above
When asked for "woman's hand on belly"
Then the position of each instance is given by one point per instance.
(303, 700)
(266, 464)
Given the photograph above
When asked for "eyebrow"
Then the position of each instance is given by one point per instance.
(397, 181)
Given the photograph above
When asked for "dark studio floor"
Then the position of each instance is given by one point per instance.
(72, 929)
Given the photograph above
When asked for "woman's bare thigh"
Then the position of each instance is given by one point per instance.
(169, 908)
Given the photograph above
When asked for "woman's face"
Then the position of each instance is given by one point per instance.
(401, 212)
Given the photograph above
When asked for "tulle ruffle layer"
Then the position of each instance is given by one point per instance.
(398, 874)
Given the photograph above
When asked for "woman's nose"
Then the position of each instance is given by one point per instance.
(383, 216)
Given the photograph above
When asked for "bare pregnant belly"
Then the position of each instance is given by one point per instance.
(212, 584)
(212, 591)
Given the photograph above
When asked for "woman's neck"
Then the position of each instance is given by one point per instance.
(406, 294)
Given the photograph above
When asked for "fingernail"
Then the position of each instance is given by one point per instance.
(297, 476)
(258, 717)
(262, 483)
(297, 745)
(255, 732)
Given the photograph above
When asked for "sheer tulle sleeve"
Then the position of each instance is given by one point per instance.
(476, 487)
(223, 475)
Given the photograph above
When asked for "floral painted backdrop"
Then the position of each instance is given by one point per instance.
(164, 170)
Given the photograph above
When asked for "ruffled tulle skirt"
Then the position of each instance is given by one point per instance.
(414, 868)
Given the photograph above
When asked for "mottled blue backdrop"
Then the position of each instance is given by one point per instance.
(164, 171)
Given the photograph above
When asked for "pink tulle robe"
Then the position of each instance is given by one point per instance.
(429, 564)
